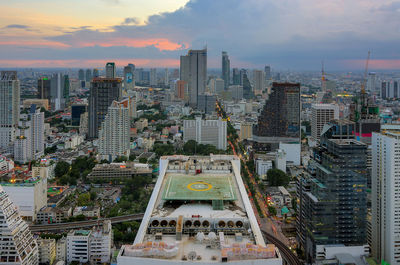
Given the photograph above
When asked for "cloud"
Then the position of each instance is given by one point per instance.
(16, 26)
(287, 34)
(131, 21)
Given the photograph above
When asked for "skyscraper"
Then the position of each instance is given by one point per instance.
(279, 120)
(153, 77)
(111, 71)
(226, 69)
(21, 248)
(44, 89)
(267, 71)
(103, 91)
(59, 88)
(385, 222)
(166, 76)
(321, 114)
(334, 206)
(194, 70)
(129, 77)
(236, 76)
(81, 75)
(258, 81)
(88, 76)
(9, 107)
(247, 88)
(96, 72)
(114, 132)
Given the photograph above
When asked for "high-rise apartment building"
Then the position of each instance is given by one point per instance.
(267, 71)
(194, 71)
(322, 114)
(88, 75)
(235, 76)
(181, 89)
(19, 246)
(81, 75)
(258, 81)
(206, 103)
(153, 77)
(217, 85)
(279, 120)
(226, 70)
(111, 70)
(129, 77)
(9, 107)
(103, 91)
(114, 132)
(166, 76)
(206, 132)
(59, 91)
(334, 207)
(385, 221)
(95, 73)
(372, 82)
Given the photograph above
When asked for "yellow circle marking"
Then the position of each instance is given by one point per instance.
(203, 186)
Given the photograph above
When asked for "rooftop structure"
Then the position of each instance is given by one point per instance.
(199, 211)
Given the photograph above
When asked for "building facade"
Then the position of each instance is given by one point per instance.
(9, 107)
(111, 70)
(385, 222)
(22, 248)
(114, 137)
(103, 91)
(322, 114)
(206, 132)
(226, 70)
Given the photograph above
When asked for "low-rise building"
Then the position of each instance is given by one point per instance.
(47, 250)
(119, 170)
(73, 141)
(88, 211)
(141, 124)
(50, 215)
(61, 249)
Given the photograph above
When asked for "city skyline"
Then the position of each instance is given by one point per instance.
(287, 35)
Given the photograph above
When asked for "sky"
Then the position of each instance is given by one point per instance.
(286, 34)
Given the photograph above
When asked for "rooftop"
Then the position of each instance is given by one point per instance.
(199, 211)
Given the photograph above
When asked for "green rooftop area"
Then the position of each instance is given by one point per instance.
(82, 232)
(199, 187)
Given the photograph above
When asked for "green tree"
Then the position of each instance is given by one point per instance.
(61, 169)
(143, 160)
(164, 149)
(132, 157)
(272, 210)
(120, 159)
(84, 199)
(277, 177)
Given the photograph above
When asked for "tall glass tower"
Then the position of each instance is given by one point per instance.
(226, 69)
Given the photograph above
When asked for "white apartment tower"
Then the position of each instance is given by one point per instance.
(385, 222)
(9, 107)
(206, 132)
(18, 247)
(321, 114)
(114, 132)
(111, 71)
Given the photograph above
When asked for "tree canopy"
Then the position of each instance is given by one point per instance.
(277, 177)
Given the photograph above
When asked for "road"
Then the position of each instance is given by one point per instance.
(90, 223)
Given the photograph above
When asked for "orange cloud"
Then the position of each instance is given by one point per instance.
(161, 44)
(45, 43)
(375, 64)
(90, 63)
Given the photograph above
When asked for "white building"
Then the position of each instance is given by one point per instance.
(73, 141)
(321, 114)
(114, 135)
(78, 243)
(262, 166)
(216, 85)
(61, 249)
(292, 151)
(111, 70)
(385, 222)
(200, 226)
(30, 196)
(93, 246)
(206, 132)
(47, 250)
(9, 107)
(18, 245)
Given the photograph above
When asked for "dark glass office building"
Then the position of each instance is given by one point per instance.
(334, 207)
(76, 112)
